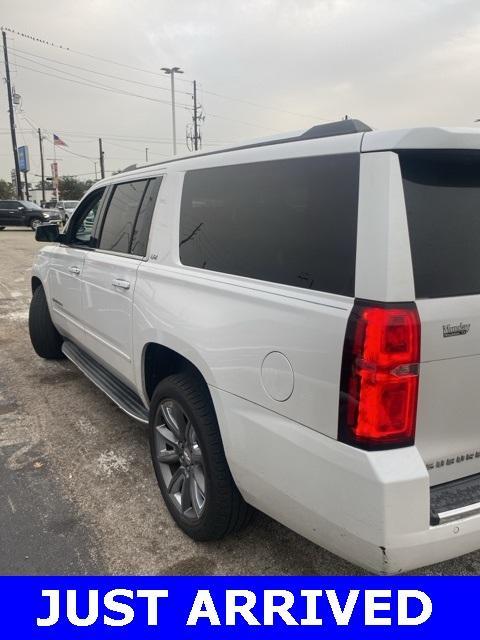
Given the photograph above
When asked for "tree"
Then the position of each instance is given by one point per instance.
(71, 188)
(6, 190)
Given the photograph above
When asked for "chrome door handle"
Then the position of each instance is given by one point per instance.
(74, 270)
(121, 284)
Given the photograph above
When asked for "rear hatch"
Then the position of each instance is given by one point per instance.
(442, 197)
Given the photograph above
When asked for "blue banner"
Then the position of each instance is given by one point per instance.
(23, 159)
(237, 607)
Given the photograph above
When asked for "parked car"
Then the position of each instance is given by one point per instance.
(66, 208)
(298, 321)
(21, 213)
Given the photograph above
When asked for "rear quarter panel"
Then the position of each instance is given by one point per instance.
(228, 329)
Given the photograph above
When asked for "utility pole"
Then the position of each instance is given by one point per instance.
(193, 135)
(40, 143)
(12, 117)
(102, 158)
(195, 117)
(171, 71)
(146, 154)
(25, 176)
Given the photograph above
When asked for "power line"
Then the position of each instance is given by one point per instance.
(93, 85)
(128, 93)
(146, 84)
(99, 73)
(38, 40)
(262, 106)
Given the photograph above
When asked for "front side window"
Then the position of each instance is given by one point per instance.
(287, 221)
(121, 215)
(83, 224)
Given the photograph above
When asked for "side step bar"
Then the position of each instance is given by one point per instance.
(455, 500)
(116, 390)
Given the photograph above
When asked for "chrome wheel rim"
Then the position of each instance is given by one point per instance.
(180, 459)
(35, 224)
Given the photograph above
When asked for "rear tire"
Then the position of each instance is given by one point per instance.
(45, 339)
(193, 474)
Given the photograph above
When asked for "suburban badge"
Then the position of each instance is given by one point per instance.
(459, 329)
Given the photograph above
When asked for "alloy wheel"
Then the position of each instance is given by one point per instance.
(180, 459)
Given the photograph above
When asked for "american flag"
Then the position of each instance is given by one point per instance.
(58, 141)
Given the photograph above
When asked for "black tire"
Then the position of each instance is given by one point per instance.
(45, 339)
(34, 223)
(224, 509)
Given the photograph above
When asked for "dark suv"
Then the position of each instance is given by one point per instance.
(21, 213)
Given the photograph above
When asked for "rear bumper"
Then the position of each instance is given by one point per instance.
(369, 507)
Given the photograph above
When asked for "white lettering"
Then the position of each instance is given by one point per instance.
(371, 606)
(54, 616)
(342, 617)
(245, 609)
(152, 596)
(72, 608)
(282, 610)
(203, 607)
(118, 607)
(403, 596)
(311, 595)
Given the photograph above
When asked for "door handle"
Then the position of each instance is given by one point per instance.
(121, 284)
(74, 270)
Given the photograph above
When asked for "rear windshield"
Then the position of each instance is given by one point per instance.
(442, 196)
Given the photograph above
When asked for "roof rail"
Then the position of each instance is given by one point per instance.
(328, 130)
(340, 128)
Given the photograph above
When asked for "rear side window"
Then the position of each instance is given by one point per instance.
(144, 218)
(288, 221)
(120, 217)
(442, 196)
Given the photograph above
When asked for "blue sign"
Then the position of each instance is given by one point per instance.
(239, 607)
(23, 159)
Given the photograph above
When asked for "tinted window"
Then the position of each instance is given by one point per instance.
(9, 204)
(442, 196)
(120, 217)
(85, 218)
(288, 221)
(144, 218)
(29, 205)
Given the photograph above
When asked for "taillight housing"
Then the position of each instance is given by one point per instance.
(380, 373)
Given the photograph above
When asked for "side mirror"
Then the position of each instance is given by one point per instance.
(21, 208)
(48, 233)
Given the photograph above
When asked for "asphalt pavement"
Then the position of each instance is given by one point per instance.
(77, 490)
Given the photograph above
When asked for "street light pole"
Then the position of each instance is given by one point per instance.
(171, 71)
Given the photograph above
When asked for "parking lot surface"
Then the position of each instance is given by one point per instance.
(77, 489)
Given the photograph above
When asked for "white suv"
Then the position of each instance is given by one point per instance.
(299, 322)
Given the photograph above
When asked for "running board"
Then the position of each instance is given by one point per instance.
(126, 399)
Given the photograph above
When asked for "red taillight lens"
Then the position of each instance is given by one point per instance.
(379, 385)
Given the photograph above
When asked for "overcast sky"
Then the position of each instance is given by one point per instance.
(390, 63)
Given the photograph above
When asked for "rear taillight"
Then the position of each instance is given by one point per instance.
(379, 382)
